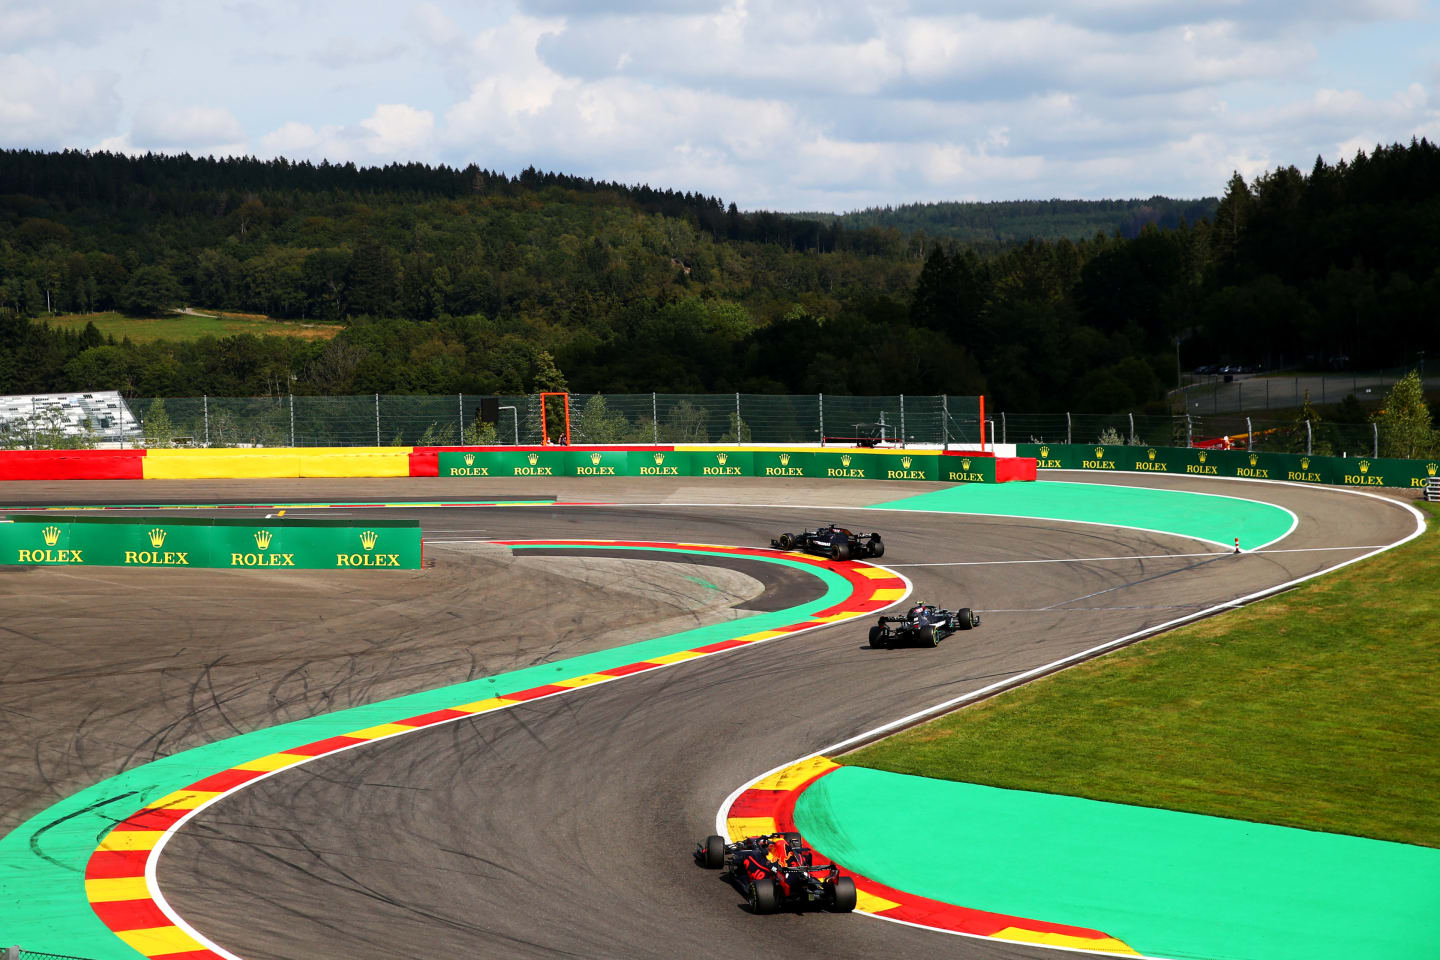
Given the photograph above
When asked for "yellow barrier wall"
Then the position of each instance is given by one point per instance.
(277, 463)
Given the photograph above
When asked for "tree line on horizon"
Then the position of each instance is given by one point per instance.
(461, 280)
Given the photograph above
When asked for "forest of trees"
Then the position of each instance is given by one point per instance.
(463, 280)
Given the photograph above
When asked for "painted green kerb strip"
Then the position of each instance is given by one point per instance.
(1219, 519)
(1168, 884)
(42, 862)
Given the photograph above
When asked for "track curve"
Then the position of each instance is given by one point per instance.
(562, 828)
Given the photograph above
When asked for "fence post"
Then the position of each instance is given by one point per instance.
(1004, 431)
(1375, 439)
(737, 418)
(1132, 429)
(944, 421)
(1069, 433)
(205, 399)
(1189, 431)
(822, 418)
(654, 419)
(1309, 437)
(292, 419)
(460, 405)
(377, 419)
(902, 419)
(12, 953)
(1249, 435)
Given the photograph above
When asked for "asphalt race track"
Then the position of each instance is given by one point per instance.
(563, 827)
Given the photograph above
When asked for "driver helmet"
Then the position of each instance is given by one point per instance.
(917, 610)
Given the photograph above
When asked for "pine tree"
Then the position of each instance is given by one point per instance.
(1406, 429)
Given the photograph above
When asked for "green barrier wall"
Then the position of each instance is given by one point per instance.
(1183, 461)
(209, 543)
(842, 464)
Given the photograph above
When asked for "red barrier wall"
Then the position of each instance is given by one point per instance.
(71, 464)
(1015, 468)
(424, 462)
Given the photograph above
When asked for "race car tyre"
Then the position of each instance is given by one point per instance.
(786, 541)
(762, 896)
(877, 638)
(845, 896)
(877, 547)
(840, 550)
(966, 618)
(927, 635)
(714, 852)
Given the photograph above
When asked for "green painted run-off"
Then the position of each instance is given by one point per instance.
(1202, 516)
(1168, 884)
(42, 862)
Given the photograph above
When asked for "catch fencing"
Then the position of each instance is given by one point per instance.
(388, 420)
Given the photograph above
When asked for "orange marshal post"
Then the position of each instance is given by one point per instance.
(544, 427)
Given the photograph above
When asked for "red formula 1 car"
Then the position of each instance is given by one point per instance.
(778, 871)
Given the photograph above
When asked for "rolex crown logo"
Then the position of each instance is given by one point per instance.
(1304, 463)
(262, 539)
(1254, 459)
(157, 537)
(905, 462)
(1099, 452)
(964, 463)
(784, 459)
(368, 538)
(845, 460)
(52, 533)
(659, 459)
(1044, 451)
(1203, 455)
(1364, 466)
(1150, 453)
(720, 458)
(595, 459)
(534, 458)
(1430, 468)
(469, 459)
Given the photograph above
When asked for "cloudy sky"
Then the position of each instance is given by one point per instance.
(782, 104)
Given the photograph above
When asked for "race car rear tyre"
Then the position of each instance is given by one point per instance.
(763, 898)
(840, 550)
(927, 636)
(966, 618)
(786, 541)
(878, 639)
(877, 547)
(714, 852)
(845, 896)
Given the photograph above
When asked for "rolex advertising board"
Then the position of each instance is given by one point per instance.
(197, 542)
(966, 469)
(722, 463)
(661, 463)
(598, 463)
(785, 463)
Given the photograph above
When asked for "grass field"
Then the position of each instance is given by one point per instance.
(1318, 708)
(188, 327)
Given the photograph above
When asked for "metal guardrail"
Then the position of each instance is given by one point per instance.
(1431, 491)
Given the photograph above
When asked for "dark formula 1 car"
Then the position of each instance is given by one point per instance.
(924, 624)
(834, 542)
(778, 871)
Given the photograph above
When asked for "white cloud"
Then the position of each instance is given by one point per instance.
(27, 24)
(197, 129)
(42, 107)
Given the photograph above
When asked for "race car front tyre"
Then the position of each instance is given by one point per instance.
(927, 635)
(786, 541)
(714, 852)
(840, 550)
(762, 896)
(878, 639)
(877, 546)
(845, 897)
(967, 618)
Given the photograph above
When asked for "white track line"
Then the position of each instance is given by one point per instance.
(1019, 678)
(1152, 556)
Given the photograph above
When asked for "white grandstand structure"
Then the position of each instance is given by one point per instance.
(101, 415)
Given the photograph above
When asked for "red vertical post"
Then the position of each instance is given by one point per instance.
(982, 423)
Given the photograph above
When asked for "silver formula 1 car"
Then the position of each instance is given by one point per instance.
(923, 625)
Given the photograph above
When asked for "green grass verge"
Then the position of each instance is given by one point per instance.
(185, 327)
(1318, 708)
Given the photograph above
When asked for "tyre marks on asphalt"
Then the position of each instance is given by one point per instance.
(120, 883)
